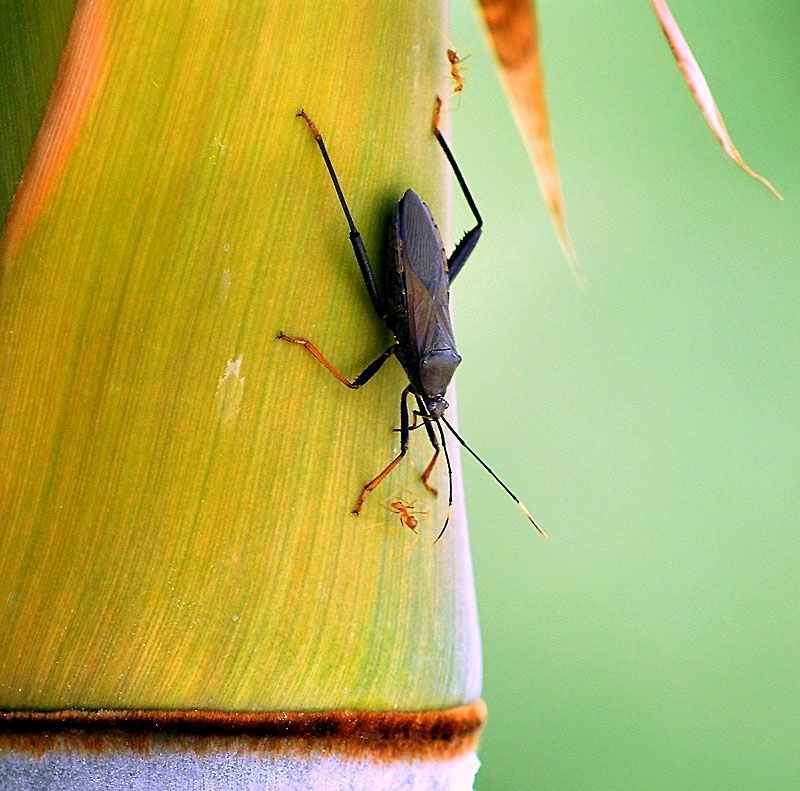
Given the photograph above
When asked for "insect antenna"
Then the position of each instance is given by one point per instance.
(494, 475)
(449, 481)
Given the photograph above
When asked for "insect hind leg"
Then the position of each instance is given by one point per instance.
(355, 237)
(467, 244)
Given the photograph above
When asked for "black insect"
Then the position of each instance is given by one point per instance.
(415, 307)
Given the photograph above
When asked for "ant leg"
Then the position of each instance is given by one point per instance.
(467, 244)
(355, 237)
(361, 379)
(404, 437)
(436, 448)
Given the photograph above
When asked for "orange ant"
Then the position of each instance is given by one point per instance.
(458, 78)
(452, 56)
(404, 511)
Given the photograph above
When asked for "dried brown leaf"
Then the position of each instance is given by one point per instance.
(700, 90)
(514, 36)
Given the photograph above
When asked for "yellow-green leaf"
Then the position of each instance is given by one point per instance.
(32, 36)
(177, 484)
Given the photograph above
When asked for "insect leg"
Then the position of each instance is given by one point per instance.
(355, 237)
(404, 437)
(467, 244)
(436, 447)
(354, 384)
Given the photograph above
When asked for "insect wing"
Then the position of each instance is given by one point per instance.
(426, 279)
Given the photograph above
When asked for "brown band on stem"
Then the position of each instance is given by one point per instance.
(377, 735)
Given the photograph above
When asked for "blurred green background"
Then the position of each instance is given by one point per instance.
(650, 421)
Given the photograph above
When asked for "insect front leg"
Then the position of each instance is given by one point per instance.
(404, 438)
(467, 244)
(437, 448)
(353, 384)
